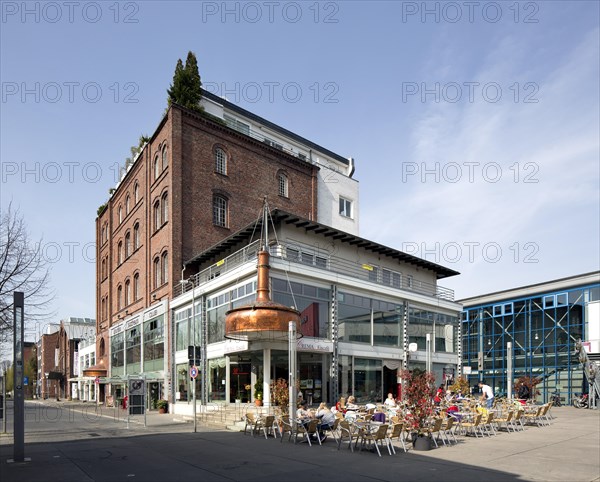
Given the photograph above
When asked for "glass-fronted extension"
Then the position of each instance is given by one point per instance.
(543, 324)
(357, 320)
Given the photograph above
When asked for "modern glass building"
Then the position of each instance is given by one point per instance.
(361, 305)
(543, 322)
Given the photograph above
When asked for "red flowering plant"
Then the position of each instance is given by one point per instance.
(419, 390)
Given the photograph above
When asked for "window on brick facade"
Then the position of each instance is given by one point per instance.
(127, 205)
(283, 184)
(120, 214)
(119, 297)
(156, 215)
(156, 272)
(165, 267)
(127, 293)
(127, 245)
(165, 208)
(103, 269)
(165, 161)
(136, 236)
(101, 347)
(120, 253)
(136, 287)
(220, 161)
(220, 211)
(156, 167)
(102, 308)
(136, 193)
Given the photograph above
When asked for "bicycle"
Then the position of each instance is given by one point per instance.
(582, 401)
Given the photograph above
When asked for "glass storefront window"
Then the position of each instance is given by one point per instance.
(216, 380)
(312, 303)
(354, 315)
(367, 380)
(117, 354)
(154, 345)
(133, 352)
(182, 382)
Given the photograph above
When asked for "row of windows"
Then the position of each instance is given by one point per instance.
(125, 250)
(221, 166)
(124, 296)
(160, 270)
(160, 211)
(160, 162)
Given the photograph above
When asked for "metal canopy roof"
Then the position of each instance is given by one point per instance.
(281, 217)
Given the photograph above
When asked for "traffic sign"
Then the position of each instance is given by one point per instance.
(194, 371)
(96, 380)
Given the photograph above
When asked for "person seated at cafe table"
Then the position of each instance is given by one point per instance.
(390, 402)
(351, 408)
(303, 414)
(340, 406)
(326, 420)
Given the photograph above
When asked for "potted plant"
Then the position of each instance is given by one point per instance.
(419, 388)
(258, 392)
(162, 406)
(280, 394)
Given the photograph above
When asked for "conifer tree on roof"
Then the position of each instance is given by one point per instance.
(186, 87)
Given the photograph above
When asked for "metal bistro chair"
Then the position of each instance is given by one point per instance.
(287, 427)
(265, 424)
(347, 433)
(250, 420)
(397, 432)
(307, 431)
(379, 436)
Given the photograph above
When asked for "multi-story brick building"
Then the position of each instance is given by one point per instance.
(58, 358)
(200, 178)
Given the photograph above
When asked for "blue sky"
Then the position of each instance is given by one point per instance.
(475, 133)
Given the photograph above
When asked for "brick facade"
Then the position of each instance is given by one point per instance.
(186, 182)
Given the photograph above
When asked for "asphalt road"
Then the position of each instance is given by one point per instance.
(77, 447)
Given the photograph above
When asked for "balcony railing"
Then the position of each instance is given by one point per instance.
(303, 256)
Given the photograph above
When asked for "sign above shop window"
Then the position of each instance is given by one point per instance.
(312, 344)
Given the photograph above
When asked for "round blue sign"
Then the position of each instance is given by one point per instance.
(194, 372)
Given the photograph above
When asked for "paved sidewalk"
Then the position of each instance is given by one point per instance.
(567, 450)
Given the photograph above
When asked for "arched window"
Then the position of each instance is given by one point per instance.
(119, 297)
(165, 208)
(283, 184)
(156, 272)
(120, 214)
(102, 308)
(103, 269)
(127, 245)
(101, 348)
(165, 267)
(165, 161)
(220, 161)
(127, 293)
(136, 236)
(220, 210)
(156, 215)
(120, 253)
(127, 205)
(136, 287)
(136, 193)
(156, 167)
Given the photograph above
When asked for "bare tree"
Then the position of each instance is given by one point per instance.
(22, 268)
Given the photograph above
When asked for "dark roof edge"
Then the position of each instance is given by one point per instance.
(524, 287)
(271, 125)
(279, 216)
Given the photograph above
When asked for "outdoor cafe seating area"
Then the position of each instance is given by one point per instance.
(383, 429)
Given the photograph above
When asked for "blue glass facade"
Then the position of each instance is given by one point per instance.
(543, 329)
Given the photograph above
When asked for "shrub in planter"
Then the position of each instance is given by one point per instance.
(162, 406)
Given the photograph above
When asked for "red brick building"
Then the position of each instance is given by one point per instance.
(199, 179)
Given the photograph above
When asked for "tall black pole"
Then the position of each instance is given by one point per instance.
(19, 400)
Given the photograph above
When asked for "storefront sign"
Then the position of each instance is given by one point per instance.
(308, 344)
(155, 311)
(232, 346)
(115, 330)
(133, 322)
